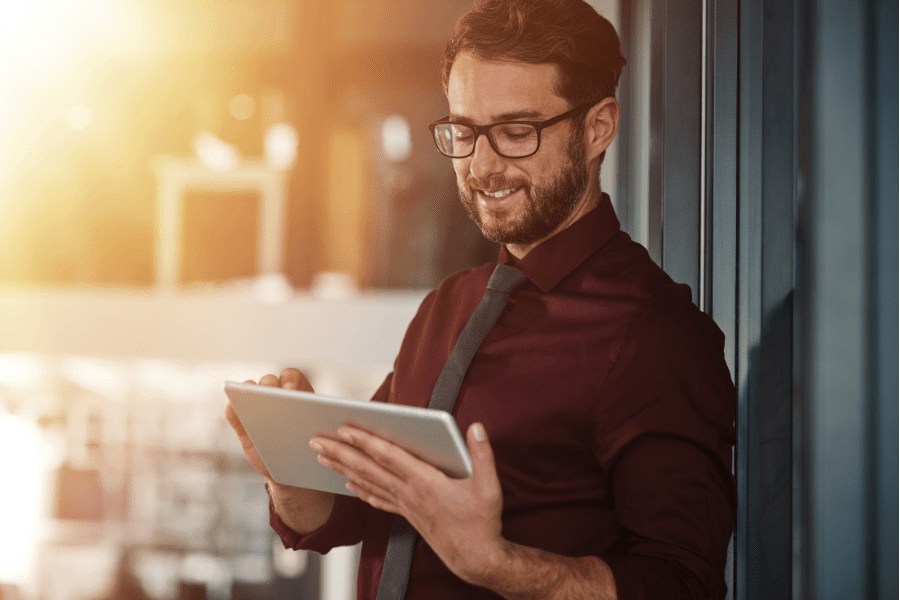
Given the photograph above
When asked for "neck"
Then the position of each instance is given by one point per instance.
(589, 201)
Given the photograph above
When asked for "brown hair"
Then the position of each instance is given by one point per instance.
(567, 33)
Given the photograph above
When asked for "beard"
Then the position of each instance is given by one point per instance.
(546, 206)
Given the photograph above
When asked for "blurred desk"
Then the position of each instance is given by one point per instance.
(175, 483)
(199, 327)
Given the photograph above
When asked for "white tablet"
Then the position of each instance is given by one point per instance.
(281, 422)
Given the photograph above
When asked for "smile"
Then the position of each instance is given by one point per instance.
(500, 194)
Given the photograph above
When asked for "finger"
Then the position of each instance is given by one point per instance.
(270, 380)
(484, 471)
(356, 465)
(293, 379)
(250, 381)
(233, 420)
(231, 416)
(388, 455)
(362, 486)
(373, 494)
(373, 500)
(365, 487)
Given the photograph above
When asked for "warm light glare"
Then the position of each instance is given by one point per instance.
(215, 154)
(20, 501)
(52, 54)
(396, 138)
(281, 145)
(92, 90)
(287, 562)
(79, 117)
(23, 371)
(242, 107)
(107, 378)
(50, 37)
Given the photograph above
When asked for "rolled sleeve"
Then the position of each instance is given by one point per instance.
(665, 435)
(675, 507)
(344, 527)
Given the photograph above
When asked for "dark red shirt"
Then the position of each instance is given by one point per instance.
(609, 407)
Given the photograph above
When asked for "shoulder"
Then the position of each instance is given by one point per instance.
(673, 350)
(451, 303)
(459, 288)
(670, 333)
(631, 263)
(668, 343)
(669, 378)
(472, 280)
(623, 275)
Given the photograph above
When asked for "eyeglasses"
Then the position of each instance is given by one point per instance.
(509, 139)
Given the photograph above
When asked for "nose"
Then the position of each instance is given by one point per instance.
(485, 161)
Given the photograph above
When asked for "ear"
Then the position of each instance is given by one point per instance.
(600, 127)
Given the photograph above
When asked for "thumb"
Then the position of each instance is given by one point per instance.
(483, 467)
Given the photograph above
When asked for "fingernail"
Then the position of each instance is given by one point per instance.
(478, 432)
(315, 446)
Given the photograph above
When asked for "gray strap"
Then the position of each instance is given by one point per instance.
(397, 560)
(505, 279)
(502, 283)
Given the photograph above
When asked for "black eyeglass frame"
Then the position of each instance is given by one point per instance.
(485, 130)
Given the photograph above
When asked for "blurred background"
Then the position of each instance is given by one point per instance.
(320, 108)
(192, 192)
(196, 191)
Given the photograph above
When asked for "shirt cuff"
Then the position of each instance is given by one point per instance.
(344, 527)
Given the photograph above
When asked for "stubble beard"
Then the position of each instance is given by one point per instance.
(546, 207)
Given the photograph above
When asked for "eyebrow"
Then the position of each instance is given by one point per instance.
(518, 115)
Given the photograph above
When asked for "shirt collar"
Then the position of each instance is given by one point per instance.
(552, 260)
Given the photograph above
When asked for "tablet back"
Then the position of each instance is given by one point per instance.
(281, 422)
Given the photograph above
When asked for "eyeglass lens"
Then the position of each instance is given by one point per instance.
(511, 140)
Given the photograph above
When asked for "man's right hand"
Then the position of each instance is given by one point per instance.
(301, 509)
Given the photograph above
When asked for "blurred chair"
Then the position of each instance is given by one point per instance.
(191, 591)
(175, 176)
(79, 494)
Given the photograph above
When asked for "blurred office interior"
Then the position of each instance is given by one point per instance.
(193, 192)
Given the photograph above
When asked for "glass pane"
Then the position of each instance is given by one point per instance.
(515, 140)
(454, 139)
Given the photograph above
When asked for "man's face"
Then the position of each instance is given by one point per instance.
(519, 201)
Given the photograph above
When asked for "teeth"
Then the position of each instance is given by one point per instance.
(500, 194)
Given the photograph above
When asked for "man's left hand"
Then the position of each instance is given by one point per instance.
(458, 518)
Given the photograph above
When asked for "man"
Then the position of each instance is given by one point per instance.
(598, 410)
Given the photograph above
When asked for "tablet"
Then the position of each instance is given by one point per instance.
(281, 422)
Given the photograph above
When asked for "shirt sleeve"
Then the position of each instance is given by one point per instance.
(347, 521)
(664, 434)
(344, 527)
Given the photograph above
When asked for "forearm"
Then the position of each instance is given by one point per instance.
(302, 510)
(524, 573)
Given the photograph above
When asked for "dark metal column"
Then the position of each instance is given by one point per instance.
(836, 267)
(675, 129)
(884, 263)
(719, 208)
(849, 385)
(749, 281)
(719, 244)
(765, 284)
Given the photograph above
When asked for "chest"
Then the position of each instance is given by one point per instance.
(536, 383)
